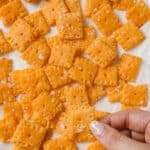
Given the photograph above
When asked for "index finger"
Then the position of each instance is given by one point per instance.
(135, 120)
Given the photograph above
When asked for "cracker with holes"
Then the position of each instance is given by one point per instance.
(39, 23)
(62, 55)
(139, 13)
(76, 95)
(51, 9)
(29, 133)
(134, 95)
(129, 36)
(7, 128)
(57, 76)
(30, 81)
(102, 53)
(123, 4)
(14, 110)
(11, 11)
(70, 26)
(93, 6)
(95, 93)
(83, 71)
(106, 20)
(46, 108)
(128, 67)
(6, 94)
(59, 143)
(37, 53)
(21, 35)
(4, 45)
(73, 5)
(5, 68)
(96, 146)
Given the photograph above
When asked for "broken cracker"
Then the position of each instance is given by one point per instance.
(129, 36)
(106, 20)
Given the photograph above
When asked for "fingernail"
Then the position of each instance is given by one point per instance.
(97, 128)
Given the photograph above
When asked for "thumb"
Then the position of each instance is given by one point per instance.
(113, 140)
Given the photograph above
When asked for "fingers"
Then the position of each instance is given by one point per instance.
(137, 136)
(147, 133)
(135, 120)
(113, 140)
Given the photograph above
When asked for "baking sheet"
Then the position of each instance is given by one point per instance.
(143, 50)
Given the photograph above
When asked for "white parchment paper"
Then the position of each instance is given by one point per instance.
(143, 50)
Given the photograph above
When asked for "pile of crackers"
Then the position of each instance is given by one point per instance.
(68, 72)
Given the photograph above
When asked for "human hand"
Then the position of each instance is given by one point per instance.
(126, 130)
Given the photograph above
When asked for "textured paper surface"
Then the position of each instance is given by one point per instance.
(143, 50)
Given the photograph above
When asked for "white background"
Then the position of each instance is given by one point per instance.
(143, 50)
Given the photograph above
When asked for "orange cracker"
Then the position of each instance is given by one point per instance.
(59, 143)
(83, 71)
(45, 107)
(29, 134)
(128, 67)
(123, 4)
(135, 95)
(62, 55)
(37, 53)
(129, 36)
(3, 2)
(70, 26)
(7, 128)
(5, 68)
(57, 76)
(107, 76)
(102, 53)
(21, 34)
(106, 20)
(52, 9)
(76, 95)
(51, 40)
(4, 45)
(14, 110)
(73, 5)
(6, 94)
(30, 81)
(11, 11)
(128, 107)
(139, 13)
(96, 146)
(39, 23)
(95, 93)
(92, 6)
(32, 1)
(18, 147)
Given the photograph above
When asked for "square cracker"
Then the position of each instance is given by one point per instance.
(37, 53)
(29, 133)
(45, 107)
(6, 94)
(11, 11)
(128, 67)
(62, 54)
(5, 68)
(106, 20)
(7, 128)
(139, 13)
(39, 23)
(95, 93)
(96, 146)
(83, 71)
(123, 4)
(107, 76)
(21, 34)
(4, 45)
(135, 95)
(70, 26)
(92, 6)
(129, 36)
(57, 76)
(30, 81)
(59, 143)
(73, 5)
(76, 95)
(101, 52)
(52, 9)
